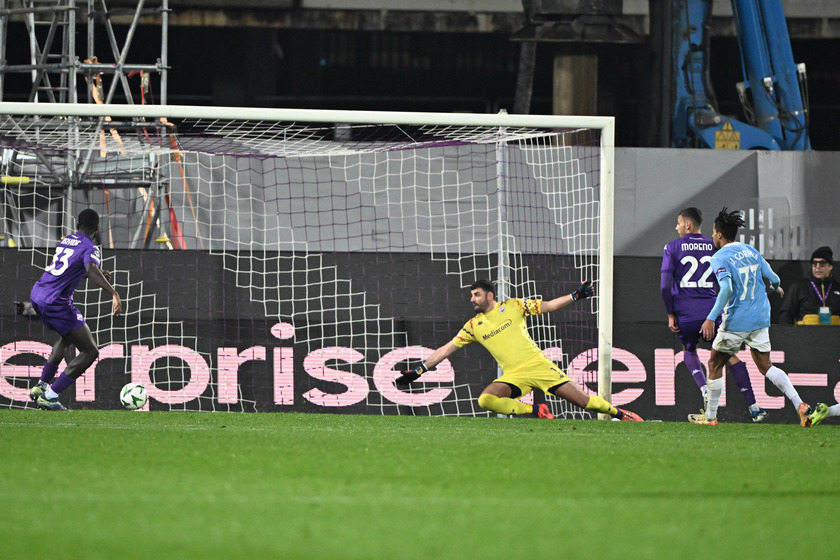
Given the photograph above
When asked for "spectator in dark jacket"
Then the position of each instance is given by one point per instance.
(814, 300)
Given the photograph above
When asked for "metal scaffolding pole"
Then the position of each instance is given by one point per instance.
(53, 61)
(55, 66)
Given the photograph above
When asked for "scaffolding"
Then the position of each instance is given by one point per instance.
(54, 63)
(60, 75)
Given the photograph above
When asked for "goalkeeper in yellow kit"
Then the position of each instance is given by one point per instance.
(500, 327)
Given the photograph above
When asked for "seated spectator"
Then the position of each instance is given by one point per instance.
(814, 300)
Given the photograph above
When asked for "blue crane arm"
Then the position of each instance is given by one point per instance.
(776, 82)
(773, 91)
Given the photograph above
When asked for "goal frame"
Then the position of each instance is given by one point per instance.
(605, 124)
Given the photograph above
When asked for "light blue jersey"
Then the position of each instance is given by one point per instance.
(747, 308)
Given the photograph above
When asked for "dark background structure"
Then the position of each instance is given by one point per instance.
(395, 56)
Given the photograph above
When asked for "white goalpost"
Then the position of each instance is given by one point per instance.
(280, 259)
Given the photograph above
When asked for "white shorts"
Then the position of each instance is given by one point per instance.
(728, 342)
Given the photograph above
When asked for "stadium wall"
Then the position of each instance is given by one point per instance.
(793, 197)
(253, 357)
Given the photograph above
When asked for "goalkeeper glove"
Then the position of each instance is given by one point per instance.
(411, 375)
(586, 290)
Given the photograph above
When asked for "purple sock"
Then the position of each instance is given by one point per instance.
(62, 383)
(48, 373)
(692, 362)
(742, 378)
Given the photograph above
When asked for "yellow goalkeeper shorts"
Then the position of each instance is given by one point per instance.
(542, 375)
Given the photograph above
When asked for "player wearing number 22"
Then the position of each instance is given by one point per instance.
(76, 257)
(689, 293)
(501, 328)
(741, 271)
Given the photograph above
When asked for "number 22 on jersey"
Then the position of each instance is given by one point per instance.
(687, 282)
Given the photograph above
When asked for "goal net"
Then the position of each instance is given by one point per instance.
(291, 260)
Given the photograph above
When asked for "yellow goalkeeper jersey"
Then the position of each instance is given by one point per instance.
(504, 333)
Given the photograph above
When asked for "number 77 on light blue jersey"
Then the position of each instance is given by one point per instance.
(748, 308)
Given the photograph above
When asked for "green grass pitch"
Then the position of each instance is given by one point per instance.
(116, 484)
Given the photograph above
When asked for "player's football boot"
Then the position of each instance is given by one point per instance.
(804, 415)
(819, 414)
(702, 420)
(628, 416)
(38, 390)
(758, 415)
(49, 404)
(541, 411)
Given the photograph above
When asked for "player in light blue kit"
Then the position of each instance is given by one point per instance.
(76, 257)
(689, 294)
(740, 270)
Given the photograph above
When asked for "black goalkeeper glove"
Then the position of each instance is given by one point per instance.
(411, 375)
(586, 290)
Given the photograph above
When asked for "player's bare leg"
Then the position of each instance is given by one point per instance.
(572, 392)
(781, 380)
(88, 352)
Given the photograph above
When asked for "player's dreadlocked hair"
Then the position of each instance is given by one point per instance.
(727, 223)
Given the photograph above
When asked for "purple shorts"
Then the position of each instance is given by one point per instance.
(63, 317)
(689, 334)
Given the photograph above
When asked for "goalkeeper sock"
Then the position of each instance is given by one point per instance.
(780, 379)
(598, 404)
(742, 378)
(715, 389)
(503, 405)
(692, 362)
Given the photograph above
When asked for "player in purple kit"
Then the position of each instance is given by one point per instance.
(76, 257)
(689, 294)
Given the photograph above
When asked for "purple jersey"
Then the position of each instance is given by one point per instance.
(686, 278)
(68, 268)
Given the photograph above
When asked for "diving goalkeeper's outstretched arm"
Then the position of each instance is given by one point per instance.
(586, 290)
(429, 363)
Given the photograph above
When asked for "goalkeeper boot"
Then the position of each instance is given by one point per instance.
(49, 404)
(38, 390)
(804, 415)
(819, 414)
(702, 420)
(542, 411)
(627, 416)
(758, 415)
